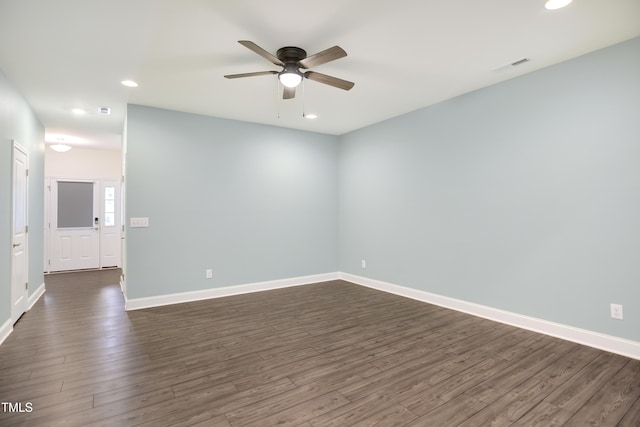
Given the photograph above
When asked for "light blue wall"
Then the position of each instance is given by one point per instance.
(252, 202)
(524, 196)
(18, 122)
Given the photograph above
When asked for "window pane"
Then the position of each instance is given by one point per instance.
(109, 193)
(109, 206)
(109, 219)
(75, 204)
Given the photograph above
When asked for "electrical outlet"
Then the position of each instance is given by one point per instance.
(209, 273)
(364, 263)
(616, 311)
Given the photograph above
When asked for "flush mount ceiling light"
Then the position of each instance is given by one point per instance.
(310, 116)
(60, 146)
(556, 4)
(60, 142)
(78, 111)
(129, 83)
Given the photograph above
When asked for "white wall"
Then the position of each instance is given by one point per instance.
(83, 163)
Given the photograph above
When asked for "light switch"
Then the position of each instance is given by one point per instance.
(139, 222)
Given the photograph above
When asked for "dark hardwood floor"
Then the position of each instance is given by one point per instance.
(327, 354)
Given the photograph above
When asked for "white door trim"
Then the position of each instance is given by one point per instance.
(19, 238)
(108, 255)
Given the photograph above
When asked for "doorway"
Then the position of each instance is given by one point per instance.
(84, 224)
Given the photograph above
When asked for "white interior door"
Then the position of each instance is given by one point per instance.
(75, 236)
(19, 230)
(110, 226)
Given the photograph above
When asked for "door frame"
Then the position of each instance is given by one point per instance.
(49, 217)
(24, 292)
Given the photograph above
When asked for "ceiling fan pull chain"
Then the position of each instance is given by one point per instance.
(278, 100)
(304, 99)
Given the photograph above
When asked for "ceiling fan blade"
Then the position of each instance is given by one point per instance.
(288, 92)
(323, 57)
(258, 73)
(329, 80)
(260, 51)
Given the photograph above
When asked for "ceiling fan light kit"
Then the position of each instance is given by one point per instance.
(290, 76)
(292, 59)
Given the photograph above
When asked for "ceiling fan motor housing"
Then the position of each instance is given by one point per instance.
(291, 54)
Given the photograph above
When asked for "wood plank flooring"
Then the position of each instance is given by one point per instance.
(327, 354)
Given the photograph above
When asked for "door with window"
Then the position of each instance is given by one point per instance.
(75, 225)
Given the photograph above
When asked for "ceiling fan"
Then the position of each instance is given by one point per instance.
(292, 59)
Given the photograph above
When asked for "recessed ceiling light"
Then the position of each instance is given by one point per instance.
(310, 116)
(78, 111)
(556, 4)
(129, 83)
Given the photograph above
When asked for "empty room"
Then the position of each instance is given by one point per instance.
(260, 213)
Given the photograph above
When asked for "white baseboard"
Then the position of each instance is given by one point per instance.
(148, 302)
(7, 327)
(597, 340)
(5, 330)
(35, 296)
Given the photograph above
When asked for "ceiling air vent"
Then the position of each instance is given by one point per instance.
(510, 65)
(520, 62)
(104, 110)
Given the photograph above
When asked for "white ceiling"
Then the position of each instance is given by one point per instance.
(402, 55)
